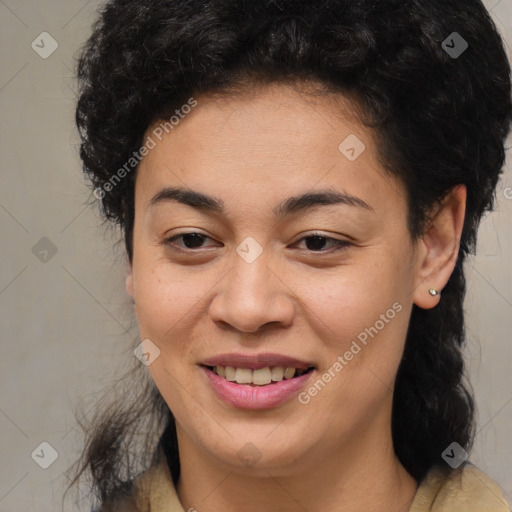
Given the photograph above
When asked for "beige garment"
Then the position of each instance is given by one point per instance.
(466, 489)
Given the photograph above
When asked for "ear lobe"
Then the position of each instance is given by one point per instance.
(439, 249)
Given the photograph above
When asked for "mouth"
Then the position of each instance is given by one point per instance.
(263, 387)
(258, 377)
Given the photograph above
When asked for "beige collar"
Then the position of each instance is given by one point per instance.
(466, 488)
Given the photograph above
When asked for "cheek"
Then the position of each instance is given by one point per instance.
(362, 313)
(164, 298)
(350, 298)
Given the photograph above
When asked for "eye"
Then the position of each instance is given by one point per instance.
(317, 241)
(314, 243)
(191, 240)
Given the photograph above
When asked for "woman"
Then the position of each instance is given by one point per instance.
(298, 184)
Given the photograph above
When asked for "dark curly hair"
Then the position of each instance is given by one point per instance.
(441, 120)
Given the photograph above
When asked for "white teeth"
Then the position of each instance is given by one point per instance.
(289, 373)
(277, 373)
(243, 375)
(260, 377)
(230, 373)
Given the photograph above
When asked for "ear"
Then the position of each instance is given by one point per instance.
(438, 248)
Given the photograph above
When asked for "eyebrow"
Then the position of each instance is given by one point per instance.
(306, 201)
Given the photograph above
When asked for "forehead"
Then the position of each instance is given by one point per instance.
(266, 142)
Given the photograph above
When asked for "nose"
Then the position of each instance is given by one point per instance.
(251, 296)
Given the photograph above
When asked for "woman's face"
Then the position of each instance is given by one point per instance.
(254, 283)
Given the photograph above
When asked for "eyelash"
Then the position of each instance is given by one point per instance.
(339, 244)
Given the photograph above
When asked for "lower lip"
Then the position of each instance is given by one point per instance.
(256, 397)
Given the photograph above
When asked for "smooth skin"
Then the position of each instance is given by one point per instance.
(197, 299)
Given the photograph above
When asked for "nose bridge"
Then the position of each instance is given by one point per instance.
(252, 295)
(251, 274)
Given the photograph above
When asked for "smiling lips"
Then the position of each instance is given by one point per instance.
(259, 377)
(256, 361)
(256, 381)
(259, 369)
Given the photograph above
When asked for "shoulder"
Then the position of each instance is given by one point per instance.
(465, 488)
(152, 491)
(131, 503)
(138, 500)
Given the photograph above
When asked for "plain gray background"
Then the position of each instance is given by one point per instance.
(66, 322)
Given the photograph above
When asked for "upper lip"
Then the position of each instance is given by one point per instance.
(256, 361)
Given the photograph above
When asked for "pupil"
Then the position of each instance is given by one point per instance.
(194, 240)
(319, 242)
(194, 236)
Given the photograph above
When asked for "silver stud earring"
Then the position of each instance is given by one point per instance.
(433, 292)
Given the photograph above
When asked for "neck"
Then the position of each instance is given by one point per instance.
(360, 474)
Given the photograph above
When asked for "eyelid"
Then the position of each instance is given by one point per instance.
(168, 241)
(338, 244)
